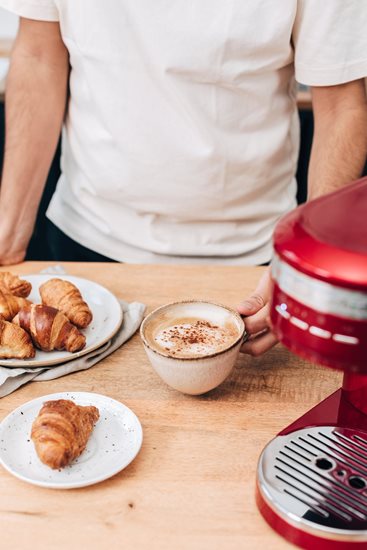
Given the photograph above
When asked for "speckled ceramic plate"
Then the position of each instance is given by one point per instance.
(113, 444)
(107, 319)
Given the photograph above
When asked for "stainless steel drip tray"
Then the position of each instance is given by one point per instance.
(316, 480)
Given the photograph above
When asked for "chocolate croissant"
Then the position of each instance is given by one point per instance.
(12, 284)
(15, 343)
(10, 305)
(49, 328)
(67, 298)
(61, 431)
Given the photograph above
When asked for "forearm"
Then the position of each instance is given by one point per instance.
(340, 145)
(35, 106)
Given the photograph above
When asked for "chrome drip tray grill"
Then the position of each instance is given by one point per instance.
(316, 479)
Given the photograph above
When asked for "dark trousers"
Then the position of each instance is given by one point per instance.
(63, 249)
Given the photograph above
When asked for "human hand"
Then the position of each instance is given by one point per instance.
(13, 248)
(256, 312)
(12, 257)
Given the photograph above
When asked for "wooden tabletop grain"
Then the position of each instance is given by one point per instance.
(192, 485)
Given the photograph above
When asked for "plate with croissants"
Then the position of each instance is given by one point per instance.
(46, 321)
(69, 440)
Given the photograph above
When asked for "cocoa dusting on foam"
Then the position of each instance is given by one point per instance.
(195, 339)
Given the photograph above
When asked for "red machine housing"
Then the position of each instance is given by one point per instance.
(319, 307)
(319, 311)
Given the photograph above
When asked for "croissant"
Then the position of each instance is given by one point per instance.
(12, 284)
(67, 298)
(15, 343)
(49, 328)
(10, 305)
(61, 431)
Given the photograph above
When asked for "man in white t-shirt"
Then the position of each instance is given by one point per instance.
(180, 137)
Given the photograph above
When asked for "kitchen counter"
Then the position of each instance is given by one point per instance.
(192, 484)
(5, 47)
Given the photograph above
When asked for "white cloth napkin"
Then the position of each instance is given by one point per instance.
(12, 378)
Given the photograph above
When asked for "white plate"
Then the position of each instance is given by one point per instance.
(113, 444)
(107, 319)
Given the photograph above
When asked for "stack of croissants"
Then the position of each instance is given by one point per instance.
(51, 325)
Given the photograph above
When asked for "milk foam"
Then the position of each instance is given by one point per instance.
(194, 338)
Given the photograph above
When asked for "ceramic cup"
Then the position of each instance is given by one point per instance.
(193, 345)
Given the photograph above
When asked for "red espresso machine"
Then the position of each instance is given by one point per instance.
(312, 478)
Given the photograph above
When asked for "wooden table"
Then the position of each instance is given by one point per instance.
(192, 485)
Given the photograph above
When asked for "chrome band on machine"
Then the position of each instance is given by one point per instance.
(318, 295)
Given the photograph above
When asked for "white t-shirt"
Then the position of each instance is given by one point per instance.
(182, 137)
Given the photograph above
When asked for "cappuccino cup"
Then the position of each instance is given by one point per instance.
(193, 345)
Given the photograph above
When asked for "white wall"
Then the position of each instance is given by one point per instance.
(8, 29)
(8, 24)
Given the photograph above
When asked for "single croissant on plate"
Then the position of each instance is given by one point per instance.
(15, 343)
(12, 284)
(61, 431)
(10, 305)
(67, 298)
(49, 328)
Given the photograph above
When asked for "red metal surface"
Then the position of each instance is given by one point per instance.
(327, 238)
(335, 410)
(338, 355)
(355, 391)
(297, 536)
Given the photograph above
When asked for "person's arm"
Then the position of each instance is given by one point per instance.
(338, 156)
(36, 95)
(339, 148)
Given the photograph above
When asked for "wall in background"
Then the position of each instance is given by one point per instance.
(8, 29)
(8, 24)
